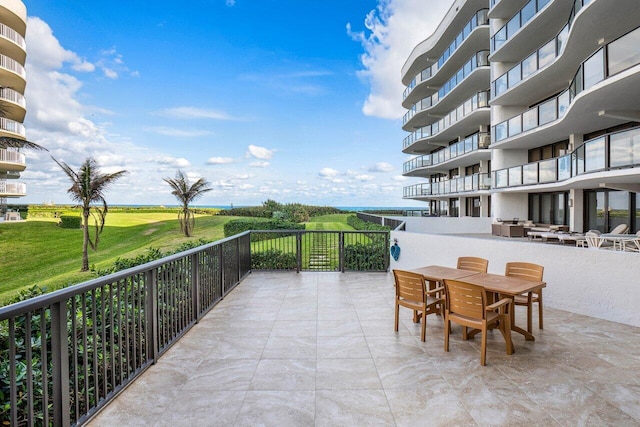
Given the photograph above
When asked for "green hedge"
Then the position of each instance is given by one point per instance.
(70, 221)
(359, 224)
(241, 225)
(273, 259)
(364, 257)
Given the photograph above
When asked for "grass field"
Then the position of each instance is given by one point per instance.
(40, 252)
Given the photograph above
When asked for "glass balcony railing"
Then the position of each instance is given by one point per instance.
(12, 126)
(480, 59)
(613, 58)
(13, 35)
(468, 145)
(463, 184)
(10, 156)
(612, 151)
(538, 59)
(480, 18)
(519, 20)
(479, 100)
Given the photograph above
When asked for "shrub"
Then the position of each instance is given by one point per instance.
(241, 225)
(359, 224)
(70, 221)
(364, 257)
(273, 259)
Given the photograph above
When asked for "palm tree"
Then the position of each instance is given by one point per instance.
(186, 194)
(87, 187)
(9, 142)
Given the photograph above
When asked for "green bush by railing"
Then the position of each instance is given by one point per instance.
(273, 259)
(365, 257)
(359, 224)
(241, 225)
(70, 221)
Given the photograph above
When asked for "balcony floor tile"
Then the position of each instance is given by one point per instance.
(287, 349)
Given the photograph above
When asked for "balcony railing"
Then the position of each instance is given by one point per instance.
(519, 20)
(463, 184)
(479, 100)
(12, 96)
(13, 35)
(615, 57)
(12, 126)
(613, 151)
(10, 156)
(66, 354)
(471, 143)
(12, 65)
(480, 59)
(480, 18)
(9, 188)
(539, 59)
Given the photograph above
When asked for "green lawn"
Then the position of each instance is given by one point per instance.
(39, 252)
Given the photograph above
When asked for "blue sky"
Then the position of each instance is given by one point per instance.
(290, 100)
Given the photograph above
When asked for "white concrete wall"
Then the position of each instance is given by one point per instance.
(446, 225)
(598, 283)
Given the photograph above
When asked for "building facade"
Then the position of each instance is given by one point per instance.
(13, 25)
(564, 104)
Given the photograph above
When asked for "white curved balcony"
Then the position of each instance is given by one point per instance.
(478, 183)
(12, 43)
(471, 150)
(471, 39)
(11, 128)
(12, 189)
(613, 158)
(14, 104)
(12, 73)
(548, 67)
(504, 9)
(530, 27)
(603, 93)
(469, 78)
(463, 120)
(12, 160)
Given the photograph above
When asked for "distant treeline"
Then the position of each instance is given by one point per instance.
(56, 211)
(294, 212)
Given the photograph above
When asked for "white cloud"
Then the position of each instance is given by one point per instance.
(109, 73)
(173, 162)
(261, 153)
(177, 132)
(219, 160)
(259, 164)
(194, 113)
(328, 173)
(363, 177)
(230, 3)
(381, 167)
(393, 30)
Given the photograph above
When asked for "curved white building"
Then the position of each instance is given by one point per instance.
(564, 111)
(13, 25)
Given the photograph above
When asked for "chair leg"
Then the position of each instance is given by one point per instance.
(423, 329)
(483, 347)
(447, 326)
(505, 325)
(540, 324)
(397, 315)
(529, 313)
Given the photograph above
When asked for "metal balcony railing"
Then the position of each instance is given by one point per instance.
(66, 354)
(10, 156)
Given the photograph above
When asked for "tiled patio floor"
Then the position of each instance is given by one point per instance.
(287, 349)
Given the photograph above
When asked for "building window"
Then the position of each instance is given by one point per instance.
(606, 209)
(549, 208)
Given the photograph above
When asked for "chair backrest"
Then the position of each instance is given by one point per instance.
(524, 270)
(465, 299)
(471, 263)
(593, 239)
(410, 286)
(620, 229)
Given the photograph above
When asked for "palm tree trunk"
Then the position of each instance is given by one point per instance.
(85, 240)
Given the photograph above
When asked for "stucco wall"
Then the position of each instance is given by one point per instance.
(598, 283)
(446, 225)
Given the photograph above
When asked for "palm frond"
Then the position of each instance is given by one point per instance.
(9, 142)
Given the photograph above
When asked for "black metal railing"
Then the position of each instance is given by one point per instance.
(66, 354)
